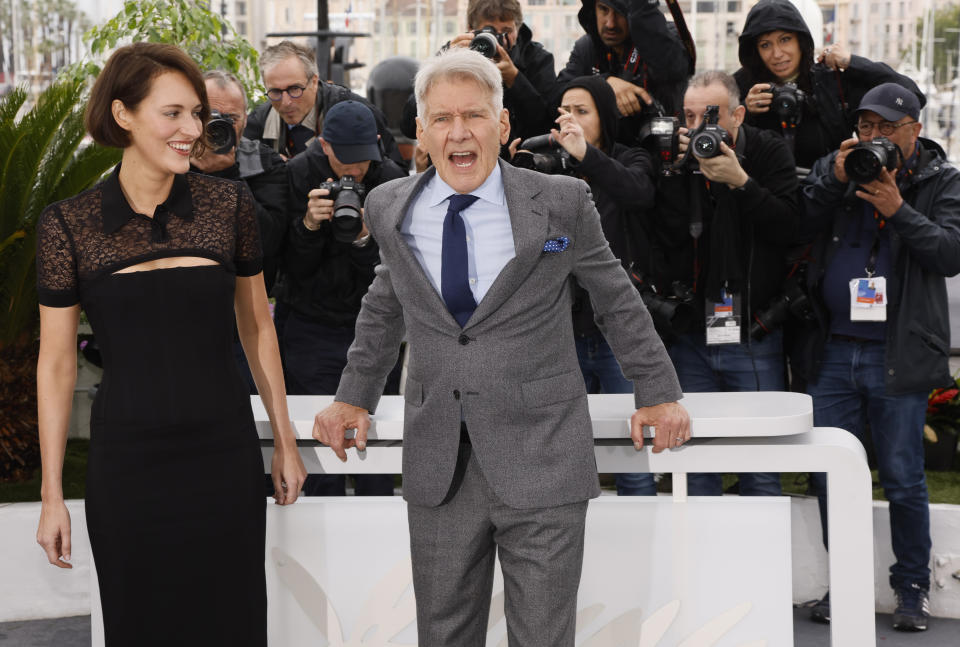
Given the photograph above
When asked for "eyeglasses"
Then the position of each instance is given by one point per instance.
(294, 92)
(885, 127)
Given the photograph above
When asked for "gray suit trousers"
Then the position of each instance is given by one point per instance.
(453, 546)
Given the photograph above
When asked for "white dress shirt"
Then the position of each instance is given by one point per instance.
(487, 223)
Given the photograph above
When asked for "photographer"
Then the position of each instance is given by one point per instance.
(621, 180)
(776, 48)
(886, 211)
(260, 168)
(630, 45)
(298, 101)
(720, 238)
(330, 260)
(527, 70)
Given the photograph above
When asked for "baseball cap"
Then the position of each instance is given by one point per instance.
(349, 127)
(891, 101)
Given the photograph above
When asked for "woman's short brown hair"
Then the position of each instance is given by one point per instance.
(128, 76)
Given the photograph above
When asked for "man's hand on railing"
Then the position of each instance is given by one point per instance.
(670, 421)
(330, 424)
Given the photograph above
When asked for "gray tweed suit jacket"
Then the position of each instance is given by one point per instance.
(511, 373)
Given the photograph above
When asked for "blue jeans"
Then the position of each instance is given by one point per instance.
(757, 366)
(850, 391)
(602, 374)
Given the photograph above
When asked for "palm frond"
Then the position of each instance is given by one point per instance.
(86, 167)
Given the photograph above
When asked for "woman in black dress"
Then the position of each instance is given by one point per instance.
(163, 262)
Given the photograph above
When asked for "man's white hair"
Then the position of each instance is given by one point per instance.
(458, 64)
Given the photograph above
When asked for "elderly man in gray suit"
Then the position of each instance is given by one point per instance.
(478, 258)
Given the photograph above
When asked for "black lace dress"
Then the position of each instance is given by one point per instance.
(175, 500)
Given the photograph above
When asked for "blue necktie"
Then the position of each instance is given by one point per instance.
(454, 282)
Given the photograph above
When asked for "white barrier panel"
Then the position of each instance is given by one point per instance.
(732, 432)
(710, 572)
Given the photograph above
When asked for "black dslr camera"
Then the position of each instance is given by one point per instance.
(486, 39)
(220, 133)
(787, 101)
(542, 153)
(673, 313)
(792, 301)
(865, 160)
(706, 139)
(347, 195)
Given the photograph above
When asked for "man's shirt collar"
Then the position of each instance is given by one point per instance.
(490, 191)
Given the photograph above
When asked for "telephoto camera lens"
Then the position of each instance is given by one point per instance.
(865, 160)
(347, 219)
(220, 133)
(787, 99)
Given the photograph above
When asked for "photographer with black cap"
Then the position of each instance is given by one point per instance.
(330, 260)
(720, 233)
(621, 180)
(886, 211)
(631, 45)
(787, 88)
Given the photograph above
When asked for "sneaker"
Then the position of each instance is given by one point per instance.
(913, 608)
(820, 612)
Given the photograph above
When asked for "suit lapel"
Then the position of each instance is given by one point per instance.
(416, 274)
(529, 227)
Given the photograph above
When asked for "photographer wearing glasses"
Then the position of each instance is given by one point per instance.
(886, 212)
(297, 102)
(725, 217)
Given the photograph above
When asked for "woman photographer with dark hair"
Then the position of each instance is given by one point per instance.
(163, 262)
(776, 49)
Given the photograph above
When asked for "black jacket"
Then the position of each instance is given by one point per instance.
(925, 248)
(265, 173)
(746, 232)
(621, 180)
(662, 66)
(327, 95)
(530, 98)
(325, 279)
(829, 114)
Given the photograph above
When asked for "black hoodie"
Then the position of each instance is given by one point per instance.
(662, 66)
(621, 179)
(829, 113)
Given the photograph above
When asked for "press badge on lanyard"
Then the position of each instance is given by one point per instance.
(723, 319)
(868, 296)
(868, 299)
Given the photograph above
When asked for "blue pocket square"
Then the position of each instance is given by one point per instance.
(556, 245)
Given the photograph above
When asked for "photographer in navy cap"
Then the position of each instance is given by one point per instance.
(329, 262)
(885, 211)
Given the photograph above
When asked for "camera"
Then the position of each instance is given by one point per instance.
(787, 101)
(865, 160)
(674, 313)
(793, 301)
(706, 139)
(347, 195)
(220, 133)
(486, 39)
(542, 153)
(663, 134)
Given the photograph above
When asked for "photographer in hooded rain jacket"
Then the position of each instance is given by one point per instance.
(776, 48)
(621, 179)
(630, 44)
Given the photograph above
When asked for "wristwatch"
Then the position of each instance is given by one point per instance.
(363, 241)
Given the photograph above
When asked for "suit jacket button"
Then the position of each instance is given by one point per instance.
(464, 340)
(456, 394)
